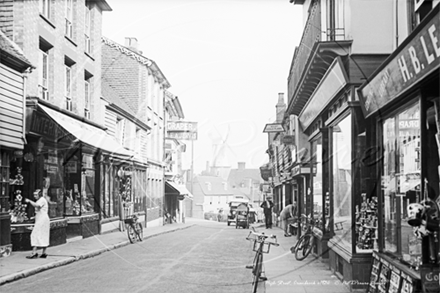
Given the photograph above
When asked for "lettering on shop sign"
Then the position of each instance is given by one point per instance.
(413, 61)
(43, 125)
(181, 126)
(181, 135)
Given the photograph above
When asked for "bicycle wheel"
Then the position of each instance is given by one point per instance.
(303, 247)
(257, 271)
(139, 231)
(131, 233)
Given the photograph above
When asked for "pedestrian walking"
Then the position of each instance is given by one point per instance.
(267, 206)
(41, 231)
(289, 211)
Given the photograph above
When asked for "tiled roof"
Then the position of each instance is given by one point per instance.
(9, 48)
(139, 58)
(217, 187)
(109, 94)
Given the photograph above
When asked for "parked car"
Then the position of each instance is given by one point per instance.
(232, 213)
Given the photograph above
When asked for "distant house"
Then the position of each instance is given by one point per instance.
(210, 193)
(246, 182)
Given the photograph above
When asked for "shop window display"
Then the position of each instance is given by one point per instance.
(342, 181)
(80, 184)
(52, 187)
(317, 180)
(401, 182)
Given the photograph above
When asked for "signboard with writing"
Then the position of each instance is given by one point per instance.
(45, 126)
(273, 127)
(331, 84)
(430, 279)
(181, 135)
(181, 126)
(411, 62)
(289, 139)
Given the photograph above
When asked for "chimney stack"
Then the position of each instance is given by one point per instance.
(281, 108)
(241, 165)
(132, 44)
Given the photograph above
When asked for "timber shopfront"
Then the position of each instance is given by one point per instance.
(63, 158)
(337, 198)
(402, 106)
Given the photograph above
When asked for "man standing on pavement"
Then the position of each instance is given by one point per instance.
(289, 211)
(267, 206)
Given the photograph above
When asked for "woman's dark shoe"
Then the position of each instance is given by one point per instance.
(35, 255)
(44, 255)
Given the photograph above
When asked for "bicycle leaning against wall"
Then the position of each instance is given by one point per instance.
(133, 226)
(306, 242)
(261, 244)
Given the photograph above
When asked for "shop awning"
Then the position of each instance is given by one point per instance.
(176, 189)
(87, 133)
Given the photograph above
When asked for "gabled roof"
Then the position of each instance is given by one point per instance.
(217, 186)
(139, 58)
(12, 55)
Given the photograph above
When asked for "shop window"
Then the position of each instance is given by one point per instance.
(87, 204)
(401, 181)
(317, 180)
(4, 182)
(342, 181)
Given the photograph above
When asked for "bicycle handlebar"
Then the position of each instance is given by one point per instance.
(261, 237)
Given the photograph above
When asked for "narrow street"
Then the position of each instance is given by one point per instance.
(209, 257)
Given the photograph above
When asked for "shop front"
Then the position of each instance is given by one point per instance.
(175, 195)
(13, 65)
(402, 105)
(336, 197)
(63, 158)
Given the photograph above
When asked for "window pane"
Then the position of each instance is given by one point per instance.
(341, 161)
(317, 179)
(87, 185)
(401, 181)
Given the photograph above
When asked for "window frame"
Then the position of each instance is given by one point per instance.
(87, 98)
(68, 86)
(68, 31)
(88, 29)
(43, 79)
(44, 8)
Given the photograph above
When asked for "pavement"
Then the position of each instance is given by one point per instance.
(284, 272)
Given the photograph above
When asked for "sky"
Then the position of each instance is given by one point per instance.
(225, 60)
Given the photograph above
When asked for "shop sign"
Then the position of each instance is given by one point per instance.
(273, 127)
(265, 173)
(289, 139)
(411, 63)
(332, 82)
(181, 135)
(43, 125)
(182, 126)
(297, 170)
(430, 279)
(182, 130)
